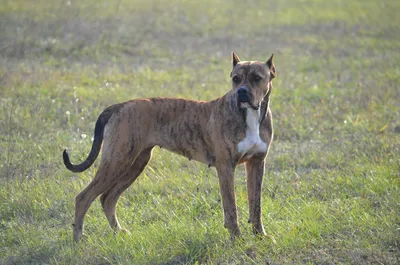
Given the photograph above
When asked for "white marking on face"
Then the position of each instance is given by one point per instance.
(252, 143)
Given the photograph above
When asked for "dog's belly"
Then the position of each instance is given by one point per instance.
(192, 154)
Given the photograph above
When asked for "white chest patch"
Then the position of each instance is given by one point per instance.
(252, 143)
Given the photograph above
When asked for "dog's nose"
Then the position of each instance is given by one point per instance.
(242, 90)
(243, 94)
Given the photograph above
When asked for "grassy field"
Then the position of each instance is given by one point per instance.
(331, 193)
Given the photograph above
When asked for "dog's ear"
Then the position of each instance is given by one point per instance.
(271, 66)
(235, 59)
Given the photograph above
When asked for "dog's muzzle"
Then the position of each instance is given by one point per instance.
(244, 100)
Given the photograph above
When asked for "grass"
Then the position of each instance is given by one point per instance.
(331, 192)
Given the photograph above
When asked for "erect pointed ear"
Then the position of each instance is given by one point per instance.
(235, 59)
(271, 66)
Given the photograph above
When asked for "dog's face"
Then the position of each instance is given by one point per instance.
(251, 81)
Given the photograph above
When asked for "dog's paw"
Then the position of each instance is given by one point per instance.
(124, 231)
(272, 238)
(234, 233)
(259, 231)
(80, 237)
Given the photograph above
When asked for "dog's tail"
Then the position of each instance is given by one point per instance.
(97, 141)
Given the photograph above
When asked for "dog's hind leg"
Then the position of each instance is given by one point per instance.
(111, 168)
(84, 199)
(110, 197)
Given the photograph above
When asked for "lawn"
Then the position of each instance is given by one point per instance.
(331, 192)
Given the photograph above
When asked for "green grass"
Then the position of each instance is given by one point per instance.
(331, 193)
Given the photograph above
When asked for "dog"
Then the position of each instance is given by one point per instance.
(222, 133)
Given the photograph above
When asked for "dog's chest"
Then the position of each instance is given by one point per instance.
(252, 143)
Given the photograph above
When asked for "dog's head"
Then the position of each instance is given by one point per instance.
(251, 81)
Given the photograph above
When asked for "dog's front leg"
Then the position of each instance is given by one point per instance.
(226, 173)
(254, 174)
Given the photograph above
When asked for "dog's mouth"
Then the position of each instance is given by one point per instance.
(247, 105)
(245, 99)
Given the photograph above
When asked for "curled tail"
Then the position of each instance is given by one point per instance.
(97, 141)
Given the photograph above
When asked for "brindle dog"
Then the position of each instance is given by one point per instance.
(233, 129)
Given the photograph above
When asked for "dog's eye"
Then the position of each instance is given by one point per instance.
(257, 78)
(236, 79)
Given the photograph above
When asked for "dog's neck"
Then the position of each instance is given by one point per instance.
(253, 119)
(233, 110)
(252, 143)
